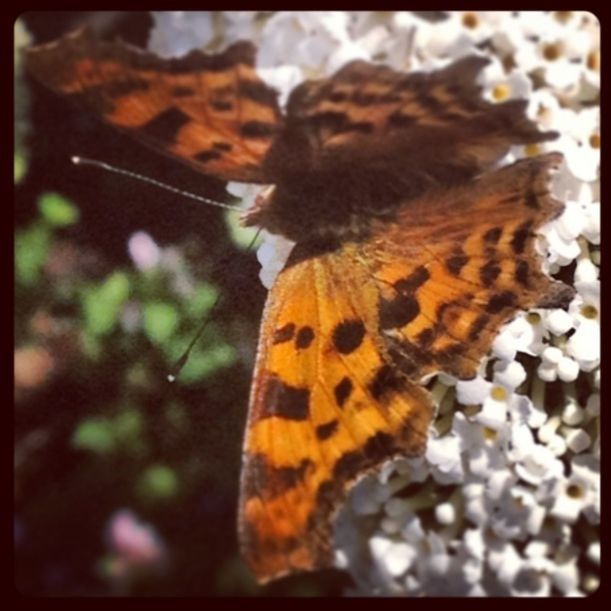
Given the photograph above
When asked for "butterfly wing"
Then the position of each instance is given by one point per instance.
(210, 111)
(325, 406)
(347, 334)
(416, 130)
(475, 246)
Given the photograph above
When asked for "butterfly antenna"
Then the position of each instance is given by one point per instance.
(151, 181)
(182, 361)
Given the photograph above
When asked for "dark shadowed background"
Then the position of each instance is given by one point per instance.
(124, 483)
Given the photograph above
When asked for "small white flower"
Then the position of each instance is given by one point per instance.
(584, 344)
(175, 33)
(399, 557)
(472, 392)
(505, 561)
(444, 456)
(593, 552)
(586, 271)
(572, 496)
(577, 440)
(537, 464)
(529, 332)
(510, 375)
(591, 229)
(558, 322)
(445, 513)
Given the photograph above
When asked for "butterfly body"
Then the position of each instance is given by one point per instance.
(411, 252)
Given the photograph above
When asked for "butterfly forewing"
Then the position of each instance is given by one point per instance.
(210, 111)
(423, 127)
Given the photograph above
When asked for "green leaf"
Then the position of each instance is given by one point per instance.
(101, 304)
(57, 210)
(158, 482)
(31, 250)
(203, 363)
(94, 434)
(115, 288)
(19, 167)
(159, 321)
(199, 305)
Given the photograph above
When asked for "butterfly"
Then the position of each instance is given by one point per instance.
(411, 252)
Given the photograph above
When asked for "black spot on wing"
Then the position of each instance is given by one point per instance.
(285, 401)
(416, 279)
(209, 155)
(522, 272)
(258, 92)
(489, 273)
(426, 337)
(326, 430)
(493, 235)
(398, 311)
(348, 335)
(456, 262)
(378, 447)
(257, 129)
(266, 480)
(338, 123)
(284, 334)
(304, 338)
(222, 146)
(221, 105)
(342, 391)
(479, 324)
(520, 235)
(500, 301)
(166, 125)
(387, 380)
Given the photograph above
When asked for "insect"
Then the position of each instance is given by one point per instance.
(411, 251)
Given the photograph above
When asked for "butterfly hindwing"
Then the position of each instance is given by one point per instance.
(459, 263)
(210, 111)
(326, 406)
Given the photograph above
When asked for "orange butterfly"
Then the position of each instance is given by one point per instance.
(411, 251)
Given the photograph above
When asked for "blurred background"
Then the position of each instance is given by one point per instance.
(125, 484)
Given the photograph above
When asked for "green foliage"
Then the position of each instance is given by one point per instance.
(101, 303)
(95, 435)
(20, 166)
(160, 321)
(104, 435)
(158, 482)
(31, 250)
(57, 210)
(209, 354)
(200, 304)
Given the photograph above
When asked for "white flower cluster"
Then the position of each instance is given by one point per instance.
(506, 499)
